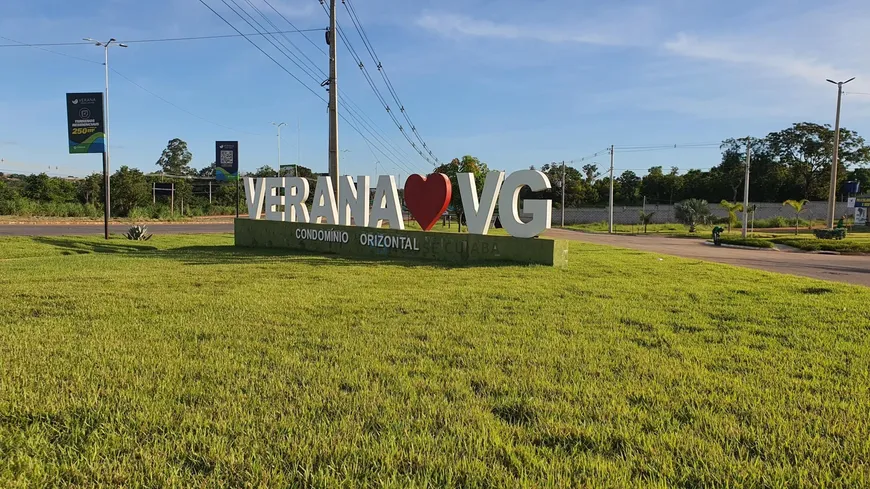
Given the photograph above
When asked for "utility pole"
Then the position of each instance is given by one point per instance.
(746, 187)
(832, 191)
(107, 184)
(563, 193)
(298, 147)
(279, 125)
(610, 209)
(333, 100)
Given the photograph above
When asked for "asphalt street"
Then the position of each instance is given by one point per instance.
(840, 268)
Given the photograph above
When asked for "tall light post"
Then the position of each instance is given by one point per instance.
(107, 201)
(279, 125)
(832, 191)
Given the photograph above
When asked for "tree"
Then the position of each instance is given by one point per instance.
(798, 206)
(673, 183)
(732, 209)
(654, 184)
(629, 185)
(573, 184)
(691, 212)
(129, 190)
(264, 171)
(807, 150)
(645, 219)
(90, 188)
(468, 164)
(176, 159)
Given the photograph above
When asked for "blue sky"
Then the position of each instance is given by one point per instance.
(516, 83)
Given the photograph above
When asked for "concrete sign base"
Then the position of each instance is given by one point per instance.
(373, 242)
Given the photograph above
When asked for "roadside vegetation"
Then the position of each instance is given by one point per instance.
(185, 362)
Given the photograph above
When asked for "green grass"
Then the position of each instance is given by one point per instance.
(184, 362)
(852, 243)
(675, 230)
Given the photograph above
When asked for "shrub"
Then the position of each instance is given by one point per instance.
(838, 233)
(138, 233)
(753, 242)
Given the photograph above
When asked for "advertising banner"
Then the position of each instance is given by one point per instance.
(226, 160)
(84, 113)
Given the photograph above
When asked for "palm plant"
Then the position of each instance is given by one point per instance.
(798, 206)
(692, 211)
(732, 209)
(645, 219)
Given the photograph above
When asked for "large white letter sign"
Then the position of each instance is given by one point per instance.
(324, 203)
(386, 205)
(274, 199)
(255, 193)
(295, 195)
(479, 215)
(353, 203)
(508, 202)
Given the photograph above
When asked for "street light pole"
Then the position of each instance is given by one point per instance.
(107, 200)
(832, 190)
(746, 187)
(279, 125)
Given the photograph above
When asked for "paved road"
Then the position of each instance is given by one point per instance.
(97, 229)
(840, 268)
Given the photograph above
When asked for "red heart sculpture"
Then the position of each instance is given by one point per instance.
(427, 198)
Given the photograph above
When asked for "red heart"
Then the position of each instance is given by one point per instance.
(427, 198)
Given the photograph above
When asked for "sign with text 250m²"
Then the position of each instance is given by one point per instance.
(226, 160)
(84, 114)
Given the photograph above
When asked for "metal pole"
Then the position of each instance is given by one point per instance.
(107, 199)
(832, 190)
(238, 177)
(298, 147)
(209, 191)
(172, 200)
(333, 99)
(153, 192)
(746, 187)
(610, 212)
(563, 193)
(833, 186)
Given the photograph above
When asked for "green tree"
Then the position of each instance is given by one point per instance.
(692, 211)
(807, 150)
(629, 185)
(90, 189)
(175, 159)
(798, 206)
(654, 185)
(732, 209)
(129, 190)
(37, 187)
(468, 164)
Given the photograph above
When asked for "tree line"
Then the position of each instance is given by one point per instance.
(793, 163)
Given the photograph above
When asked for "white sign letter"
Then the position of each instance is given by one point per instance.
(508, 202)
(324, 203)
(386, 205)
(295, 196)
(255, 193)
(353, 203)
(274, 199)
(479, 215)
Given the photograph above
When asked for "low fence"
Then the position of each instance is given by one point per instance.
(665, 213)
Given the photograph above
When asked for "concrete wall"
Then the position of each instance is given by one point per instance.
(665, 213)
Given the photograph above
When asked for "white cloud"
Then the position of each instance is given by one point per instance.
(451, 24)
(762, 57)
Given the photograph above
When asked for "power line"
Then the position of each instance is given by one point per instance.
(374, 88)
(165, 39)
(180, 108)
(295, 60)
(319, 96)
(370, 48)
(153, 94)
(35, 46)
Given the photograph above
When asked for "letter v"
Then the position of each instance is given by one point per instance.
(479, 215)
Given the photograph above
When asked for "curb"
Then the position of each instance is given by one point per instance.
(739, 247)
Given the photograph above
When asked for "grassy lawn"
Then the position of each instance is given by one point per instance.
(184, 362)
(852, 243)
(749, 241)
(675, 230)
